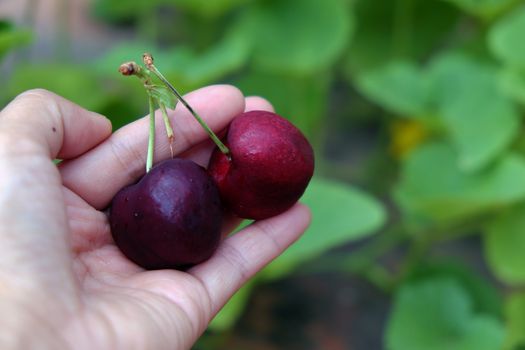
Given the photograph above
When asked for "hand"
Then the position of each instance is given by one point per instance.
(63, 282)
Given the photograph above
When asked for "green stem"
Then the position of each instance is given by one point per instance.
(167, 125)
(365, 256)
(151, 143)
(423, 241)
(379, 276)
(419, 246)
(214, 137)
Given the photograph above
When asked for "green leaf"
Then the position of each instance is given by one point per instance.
(207, 8)
(303, 100)
(504, 243)
(433, 187)
(227, 56)
(515, 319)
(11, 37)
(483, 8)
(76, 83)
(399, 87)
(512, 82)
(437, 314)
(164, 95)
(299, 36)
(484, 294)
(116, 11)
(183, 66)
(481, 120)
(385, 31)
(506, 38)
(340, 213)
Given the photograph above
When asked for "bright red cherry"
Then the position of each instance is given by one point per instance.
(271, 165)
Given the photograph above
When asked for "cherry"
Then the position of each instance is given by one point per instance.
(171, 218)
(269, 166)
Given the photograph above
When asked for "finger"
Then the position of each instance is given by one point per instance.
(58, 127)
(257, 103)
(36, 126)
(89, 227)
(120, 160)
(240, 256)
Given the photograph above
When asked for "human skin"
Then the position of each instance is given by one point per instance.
(63, 282)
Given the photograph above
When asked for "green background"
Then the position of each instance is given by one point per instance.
(415, 111)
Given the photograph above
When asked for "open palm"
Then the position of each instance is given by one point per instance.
(64, 282)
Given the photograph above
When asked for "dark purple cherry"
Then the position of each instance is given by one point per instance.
(171, 218)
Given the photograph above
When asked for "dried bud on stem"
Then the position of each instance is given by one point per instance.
(147, 58)
(129, 68)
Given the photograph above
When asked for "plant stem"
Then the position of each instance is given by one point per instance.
(132, 68)
(151, 143)
(417, 249)
(148, 61)
(379, 276)
(424, 240)
(364, 261)
(167, 124)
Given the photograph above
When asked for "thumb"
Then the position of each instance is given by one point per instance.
(55, 125)
(34, 128)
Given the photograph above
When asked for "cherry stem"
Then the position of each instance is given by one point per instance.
(167, 125)
(151, 143)
(132, 68)
(148, 61)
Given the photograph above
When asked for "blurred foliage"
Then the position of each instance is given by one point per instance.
(436, 88)
(515, 314)
(438, 314)
(433, 188)
(505, 243)
(484, 296)
(333, 205)
(11, 37)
